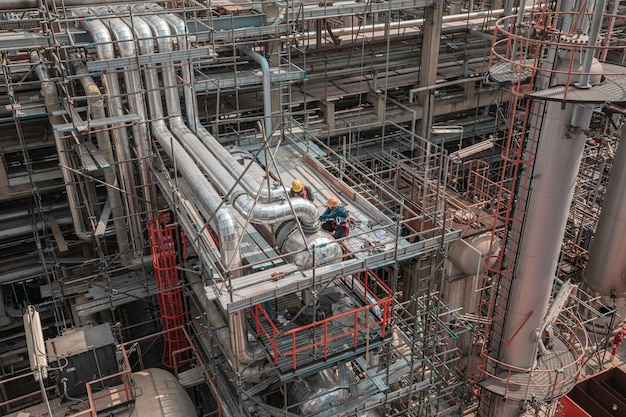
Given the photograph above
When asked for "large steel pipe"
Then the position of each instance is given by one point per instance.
(254, 185)
(105, 51)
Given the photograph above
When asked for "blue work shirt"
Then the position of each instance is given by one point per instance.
(332, 213)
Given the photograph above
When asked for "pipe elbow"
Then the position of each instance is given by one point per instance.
(92, 92)
(48, 89)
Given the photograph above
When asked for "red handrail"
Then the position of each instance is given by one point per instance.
(370, 299)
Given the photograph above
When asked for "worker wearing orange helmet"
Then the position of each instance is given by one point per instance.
(335, 218)
(300, 190)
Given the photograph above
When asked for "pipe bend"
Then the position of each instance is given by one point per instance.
(277, 212)
(267, 93)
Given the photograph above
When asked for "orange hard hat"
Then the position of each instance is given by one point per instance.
(332, 202)
(296, 186)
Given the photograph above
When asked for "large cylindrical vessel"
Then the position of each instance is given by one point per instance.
(606, 270)
(552, 181)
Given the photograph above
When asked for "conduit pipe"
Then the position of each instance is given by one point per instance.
(53, 106)
(267, 87)
(105, 51)
(254, 185)
(96, 105)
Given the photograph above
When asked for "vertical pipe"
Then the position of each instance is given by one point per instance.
(105, 51)
(96, 106)
(582, 113)
(267, 88)
(596, 22)
(551, 187)
(53, 105)
(136, 102)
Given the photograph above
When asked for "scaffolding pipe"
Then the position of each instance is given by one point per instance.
(415, 23)
(96, 105)
(53, 107)
(105, 51)
(35, 4)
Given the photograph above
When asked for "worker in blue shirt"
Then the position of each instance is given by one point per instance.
(335, 218)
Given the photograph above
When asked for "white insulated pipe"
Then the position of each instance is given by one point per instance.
(606, 269)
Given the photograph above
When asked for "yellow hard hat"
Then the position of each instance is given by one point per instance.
(296, 186)
(332, 202)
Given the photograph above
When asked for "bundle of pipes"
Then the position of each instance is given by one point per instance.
(193, 150)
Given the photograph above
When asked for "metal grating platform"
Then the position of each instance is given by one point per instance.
(612, 89)
(553, 377)
(259, 287)
(342, 343)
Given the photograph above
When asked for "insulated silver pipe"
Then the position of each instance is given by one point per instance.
(243, 350)
(254, 185)
(277, 212)
(136, 102)
(96, 105)
(246, 204)
(267, 87)
(53, 106)
(105, 51)
(223, 221)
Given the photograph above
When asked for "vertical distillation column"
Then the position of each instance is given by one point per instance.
(549, 140)
(164, 261)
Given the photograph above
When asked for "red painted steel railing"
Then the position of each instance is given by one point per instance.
(164, 261)
(103, 399)
(376, 296)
